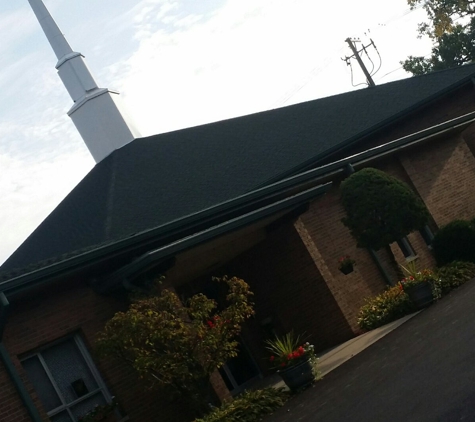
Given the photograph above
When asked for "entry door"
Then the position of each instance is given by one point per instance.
(240, 371)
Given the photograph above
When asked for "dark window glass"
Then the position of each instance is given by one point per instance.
(406, 247)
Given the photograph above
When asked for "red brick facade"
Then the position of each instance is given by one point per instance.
(290, 292)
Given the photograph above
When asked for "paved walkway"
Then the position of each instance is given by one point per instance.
(424, 370)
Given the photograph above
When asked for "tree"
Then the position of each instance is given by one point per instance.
(380, 208)
(452, 42)
(178, 346)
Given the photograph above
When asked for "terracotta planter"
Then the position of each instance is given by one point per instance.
(421, 295)
(297, 376)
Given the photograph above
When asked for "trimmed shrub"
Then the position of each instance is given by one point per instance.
(384, 308)
(250, 406)
(454, 242)
(380, 209)
(453, 275)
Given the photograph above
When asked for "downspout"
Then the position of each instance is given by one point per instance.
(349, 170)
(10, 367)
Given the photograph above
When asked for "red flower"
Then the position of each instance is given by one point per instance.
(272, 358)
(210, 324)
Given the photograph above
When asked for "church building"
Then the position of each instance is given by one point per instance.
(255, 196)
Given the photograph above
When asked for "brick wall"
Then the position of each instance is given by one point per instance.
(328, 239)
(58, 312)
(290, 291)
(443, 173)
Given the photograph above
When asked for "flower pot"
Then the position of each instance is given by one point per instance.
(421, 295)
(347, 269)
(297, 376)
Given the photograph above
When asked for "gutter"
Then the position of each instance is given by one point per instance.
(10, 366)
(252, 200)
(123, 274)
(70, 265)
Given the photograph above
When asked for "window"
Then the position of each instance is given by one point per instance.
(427, 235)
(406, 248)
(66, 380)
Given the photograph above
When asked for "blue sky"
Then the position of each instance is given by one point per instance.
(177, 63)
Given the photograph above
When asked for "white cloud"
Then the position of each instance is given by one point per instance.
(243, 58)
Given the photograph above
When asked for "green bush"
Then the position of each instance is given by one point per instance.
(454, 242)
(384, 308)
(251, 406)
(380, 209)
(452, 275)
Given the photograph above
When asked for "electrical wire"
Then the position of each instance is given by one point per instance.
(352, 82)
(369, 58)
(328, 60)
(392, 71)
(380, 58)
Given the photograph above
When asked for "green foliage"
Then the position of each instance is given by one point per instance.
(453, 275)
(450, 50)
(251, 406)
(384, 308)
(453, 44)
(177, 346)
(380, 208)
(394, 303)
(288, 351)
(454, 242)
(442, 14)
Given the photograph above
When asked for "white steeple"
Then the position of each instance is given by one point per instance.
(97, 112)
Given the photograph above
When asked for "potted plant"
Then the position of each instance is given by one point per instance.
(345, 264)
(418, 285)
(294, 360)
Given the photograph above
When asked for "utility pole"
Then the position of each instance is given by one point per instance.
(356, 55)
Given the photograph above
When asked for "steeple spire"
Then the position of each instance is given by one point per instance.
(55, 37)
(97, 113)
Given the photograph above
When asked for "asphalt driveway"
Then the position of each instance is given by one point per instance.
(422, 371)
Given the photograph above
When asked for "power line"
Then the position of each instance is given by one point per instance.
(328, 60)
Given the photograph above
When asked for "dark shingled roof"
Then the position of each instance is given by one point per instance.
(155, 180)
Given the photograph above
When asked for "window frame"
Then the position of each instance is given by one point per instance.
(406, 248)
(81, 347)
(428, 236)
